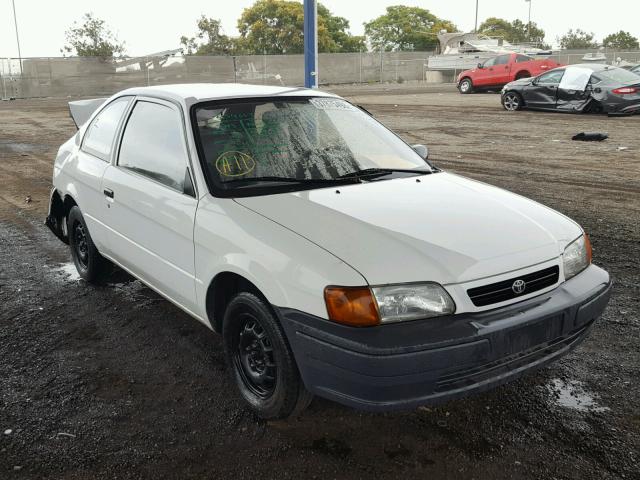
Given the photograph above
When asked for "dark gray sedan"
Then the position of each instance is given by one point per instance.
(587, 88)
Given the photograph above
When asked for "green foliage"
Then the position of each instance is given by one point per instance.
(513, 32)
(277, 26)
(92, 39)
(406, 28)
(210, 40)
(578, 40)
(621, 41)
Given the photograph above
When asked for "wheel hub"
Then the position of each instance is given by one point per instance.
(82, 246)
(255, 359)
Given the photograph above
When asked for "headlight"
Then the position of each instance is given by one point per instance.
(398, 303)
(366, 307)
(577, 256)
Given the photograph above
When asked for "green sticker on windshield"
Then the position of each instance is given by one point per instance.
(235, 164)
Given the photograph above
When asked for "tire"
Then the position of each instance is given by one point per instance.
(522, 75)
(89, 263)
(512, 101)
(466, 86)
(260, 360)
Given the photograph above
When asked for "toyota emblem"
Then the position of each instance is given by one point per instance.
(518, 287)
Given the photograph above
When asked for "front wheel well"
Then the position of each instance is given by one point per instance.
(222, 289)
(523, 74)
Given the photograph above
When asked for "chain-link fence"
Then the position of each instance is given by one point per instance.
(85, 76)
(82, 76)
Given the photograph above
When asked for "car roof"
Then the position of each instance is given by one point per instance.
(190, 93)
(596, 67)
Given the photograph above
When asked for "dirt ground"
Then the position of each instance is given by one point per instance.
(112, 381)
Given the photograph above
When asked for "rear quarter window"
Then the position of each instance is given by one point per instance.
(523, 58)
(98, 140)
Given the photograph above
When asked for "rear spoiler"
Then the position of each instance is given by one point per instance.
(81, 110)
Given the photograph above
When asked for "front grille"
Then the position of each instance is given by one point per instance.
(503, 291)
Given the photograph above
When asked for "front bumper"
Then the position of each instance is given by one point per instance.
(404, 365)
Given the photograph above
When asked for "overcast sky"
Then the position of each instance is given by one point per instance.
(149, 27)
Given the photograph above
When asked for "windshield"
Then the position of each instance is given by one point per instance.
(619, 75)
(294, 141)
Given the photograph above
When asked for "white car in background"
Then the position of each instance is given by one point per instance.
(333, 258)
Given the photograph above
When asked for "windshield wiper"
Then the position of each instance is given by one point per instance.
(304, 181)
(379, 172)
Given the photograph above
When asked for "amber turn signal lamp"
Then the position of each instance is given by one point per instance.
(353, 306)
(587, 244)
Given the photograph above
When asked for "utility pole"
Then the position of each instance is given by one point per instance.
(529, 24)
(310, 43)
(477, 5)
(15, 21)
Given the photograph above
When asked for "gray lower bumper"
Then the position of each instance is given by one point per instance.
(401, 366)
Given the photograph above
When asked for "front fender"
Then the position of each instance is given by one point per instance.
(289, 270)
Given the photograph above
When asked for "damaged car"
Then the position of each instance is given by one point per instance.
(584, 88)
(333, 258)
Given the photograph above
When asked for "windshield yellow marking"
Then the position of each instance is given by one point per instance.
(235, 164)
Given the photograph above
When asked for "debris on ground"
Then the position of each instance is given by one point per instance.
(590, 136)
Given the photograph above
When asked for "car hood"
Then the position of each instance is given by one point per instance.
(520, 83)
(445, 228)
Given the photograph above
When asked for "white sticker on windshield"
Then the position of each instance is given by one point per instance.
(331, 104)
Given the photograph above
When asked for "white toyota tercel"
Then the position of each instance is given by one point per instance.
(333, 258)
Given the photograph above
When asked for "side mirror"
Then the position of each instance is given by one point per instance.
(421, 150)
(480, 66)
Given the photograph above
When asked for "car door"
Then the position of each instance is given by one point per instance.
(575, 100)
(543, 91)
(91, 162)
(502, 69)
(483, 77)
(152, 203)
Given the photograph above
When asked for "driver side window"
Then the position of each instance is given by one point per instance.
(551, 78)
(490, 63)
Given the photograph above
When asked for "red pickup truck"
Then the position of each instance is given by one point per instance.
(498, 71)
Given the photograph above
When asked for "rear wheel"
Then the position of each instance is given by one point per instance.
(512, 101)
(260, 359)
(466, 86)
(89, 263)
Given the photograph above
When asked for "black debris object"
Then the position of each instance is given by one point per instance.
(590, 136)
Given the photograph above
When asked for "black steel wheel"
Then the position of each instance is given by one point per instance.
(89, 263)
(260, 359)
(254, 359)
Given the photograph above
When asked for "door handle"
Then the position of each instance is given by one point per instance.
(108, 192)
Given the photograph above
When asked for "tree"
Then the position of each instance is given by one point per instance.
(513, 32)
(92, 39)
(277, 26)
(406, 28)
(212, 39)
(621, 41)
(578, 40)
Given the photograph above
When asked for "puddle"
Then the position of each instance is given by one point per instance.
(69, 271)
(22, 148)
(573, 395)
